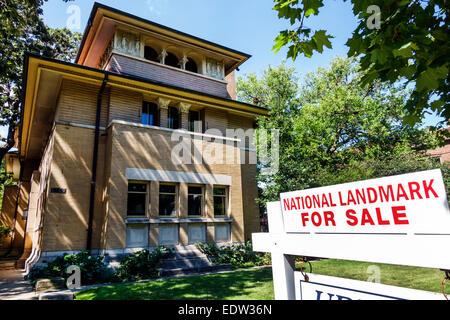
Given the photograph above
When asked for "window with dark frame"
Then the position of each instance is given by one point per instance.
(194, 116)
(195, 200)
(137, 199)
(150, 113)
(167, 200)
(220, 201)
(173, 118)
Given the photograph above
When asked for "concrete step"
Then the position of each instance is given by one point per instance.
(184, 272)
(188, 260)
(7, 264)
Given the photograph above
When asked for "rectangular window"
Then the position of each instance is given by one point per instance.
(195, 200)
(220, 201)
(173, 118)
(194, 116)
(167, 200)
(150, 114)
(137, 199)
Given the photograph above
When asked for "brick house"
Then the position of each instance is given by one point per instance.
(95, 157)
(442, 153)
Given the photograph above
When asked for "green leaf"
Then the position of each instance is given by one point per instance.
(322, 40)
(429, 79)
(404, 51)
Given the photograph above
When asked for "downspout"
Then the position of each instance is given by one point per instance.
(94, 163)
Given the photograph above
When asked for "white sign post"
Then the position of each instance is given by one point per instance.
(402, 220)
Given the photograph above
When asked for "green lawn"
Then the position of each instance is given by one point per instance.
(256, 284)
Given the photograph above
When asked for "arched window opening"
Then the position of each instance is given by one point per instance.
(191, 66)
(172, 60)
(150, 54)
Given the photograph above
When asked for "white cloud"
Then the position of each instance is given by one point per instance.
(153, 6)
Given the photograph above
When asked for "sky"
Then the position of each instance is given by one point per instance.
(249, 26)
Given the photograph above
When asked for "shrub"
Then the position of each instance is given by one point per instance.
(93, 269)
(4, 232)
(141, 265)
(238, 255)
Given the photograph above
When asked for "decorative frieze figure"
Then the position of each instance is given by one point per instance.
(128, 43)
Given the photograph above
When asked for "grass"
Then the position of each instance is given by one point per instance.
(253, 284)
(256, 284)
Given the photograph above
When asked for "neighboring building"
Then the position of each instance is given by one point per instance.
(442, 153)
(96, 141)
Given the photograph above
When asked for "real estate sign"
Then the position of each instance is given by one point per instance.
(413, 203)
(403, 220)
(338, 289)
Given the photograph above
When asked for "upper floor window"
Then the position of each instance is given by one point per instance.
(149, 114)
(150, 54)
(173, 118)
(194, 116)
(137, 199)
(191, 66)
(172, 60)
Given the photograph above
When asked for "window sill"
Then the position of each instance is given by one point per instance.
(134, 220)
(177, 220)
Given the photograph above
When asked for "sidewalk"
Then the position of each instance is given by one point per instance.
(14, 287)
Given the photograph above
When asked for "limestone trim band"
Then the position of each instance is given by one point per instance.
(177, 177)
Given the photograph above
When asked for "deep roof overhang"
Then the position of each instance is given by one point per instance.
(100, 11)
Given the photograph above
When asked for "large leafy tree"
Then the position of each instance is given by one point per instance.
(411, 44)
(23, 30)
(333, 129)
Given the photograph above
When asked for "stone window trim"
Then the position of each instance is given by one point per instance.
(175, 220)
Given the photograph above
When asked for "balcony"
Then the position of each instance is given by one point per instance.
(166, 75)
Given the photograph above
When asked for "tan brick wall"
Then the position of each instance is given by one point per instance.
(231, 86)
(134, 147)
(77, 103)
(251, 208)
(66, 215)
(7, 214)
(125, 105)
(215, 119)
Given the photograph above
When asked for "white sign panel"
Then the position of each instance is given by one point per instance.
(339, 289)
(410, 204)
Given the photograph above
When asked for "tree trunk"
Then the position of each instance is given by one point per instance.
(9, 142)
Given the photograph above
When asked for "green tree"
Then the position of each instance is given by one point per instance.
(23, 30)
(333, 129)
(411, 44)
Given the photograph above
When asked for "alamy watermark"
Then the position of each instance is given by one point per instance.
(374, 21)
(74, 20)
(234, 146)
(74, 280)
(375, 274)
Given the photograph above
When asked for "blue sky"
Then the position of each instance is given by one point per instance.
(245, 25)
